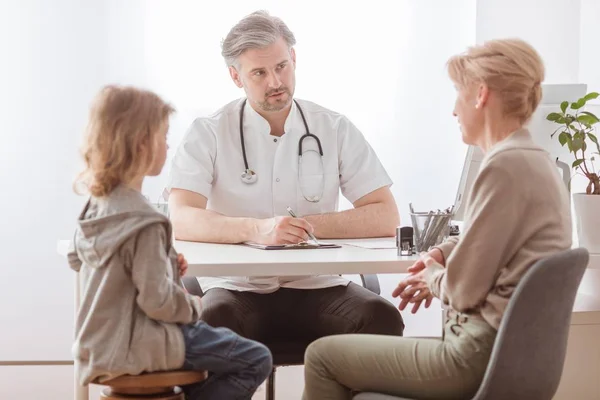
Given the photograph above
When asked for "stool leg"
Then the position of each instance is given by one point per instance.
(271, 386)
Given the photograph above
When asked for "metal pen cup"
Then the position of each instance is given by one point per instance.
(430, 228)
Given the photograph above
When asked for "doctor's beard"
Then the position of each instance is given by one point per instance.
(280, 103)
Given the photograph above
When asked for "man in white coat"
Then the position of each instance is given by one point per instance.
(237, 171)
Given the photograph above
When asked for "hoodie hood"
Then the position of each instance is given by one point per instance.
(106, 223)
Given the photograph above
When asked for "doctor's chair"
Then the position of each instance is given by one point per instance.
(285, 353)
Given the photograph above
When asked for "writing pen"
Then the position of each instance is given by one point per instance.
(293, 214)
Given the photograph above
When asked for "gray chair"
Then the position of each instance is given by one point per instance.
(529, 351)
(284, 352)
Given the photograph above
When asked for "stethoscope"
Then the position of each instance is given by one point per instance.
(249, 176)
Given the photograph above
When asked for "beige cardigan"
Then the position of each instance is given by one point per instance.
(517, 212)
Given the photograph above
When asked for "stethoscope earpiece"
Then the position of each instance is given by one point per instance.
(249, 176)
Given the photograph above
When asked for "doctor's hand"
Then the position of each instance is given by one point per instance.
(413, 290)
(282, 230)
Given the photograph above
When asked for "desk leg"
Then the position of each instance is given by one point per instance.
(81, 392)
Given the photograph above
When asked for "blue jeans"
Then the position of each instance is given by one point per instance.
(236, 366)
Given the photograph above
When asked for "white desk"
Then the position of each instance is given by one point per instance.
(209, 259)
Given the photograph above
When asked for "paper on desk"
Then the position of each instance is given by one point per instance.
(299, 246)
(373, 244)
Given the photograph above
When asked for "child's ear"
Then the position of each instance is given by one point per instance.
(143, 146)
(143, 149)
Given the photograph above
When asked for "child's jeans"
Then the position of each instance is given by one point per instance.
(236, 366)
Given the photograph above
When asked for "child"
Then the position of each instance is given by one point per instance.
(135, 315)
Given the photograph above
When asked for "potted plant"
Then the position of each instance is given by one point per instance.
(576, 131)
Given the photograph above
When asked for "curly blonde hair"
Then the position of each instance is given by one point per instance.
(123, 121)
(510, 67)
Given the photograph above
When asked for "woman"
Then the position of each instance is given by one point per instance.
(517, 213)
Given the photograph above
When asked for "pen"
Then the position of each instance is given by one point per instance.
(293, 214)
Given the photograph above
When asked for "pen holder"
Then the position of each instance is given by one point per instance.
(430, 228)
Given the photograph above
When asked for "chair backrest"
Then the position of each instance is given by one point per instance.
(529, 351)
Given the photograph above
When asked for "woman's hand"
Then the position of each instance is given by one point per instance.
(413, 289)
(419, 265)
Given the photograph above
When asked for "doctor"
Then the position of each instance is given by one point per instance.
(236, 172)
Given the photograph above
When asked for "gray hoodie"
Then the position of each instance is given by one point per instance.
(132, 299)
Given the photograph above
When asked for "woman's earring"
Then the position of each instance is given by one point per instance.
(477, 106)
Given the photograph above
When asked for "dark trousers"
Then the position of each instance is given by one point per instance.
(301, 315)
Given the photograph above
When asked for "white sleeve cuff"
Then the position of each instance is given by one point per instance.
(366, 188)
(196, 186)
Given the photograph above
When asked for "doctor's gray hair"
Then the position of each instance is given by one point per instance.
(254, 31)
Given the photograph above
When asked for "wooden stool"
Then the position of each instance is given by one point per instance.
(150, 386)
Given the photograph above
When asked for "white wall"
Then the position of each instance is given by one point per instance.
(550, 26)
(589, 49)
(52, 63)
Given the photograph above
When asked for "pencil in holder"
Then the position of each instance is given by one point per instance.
(430, 228)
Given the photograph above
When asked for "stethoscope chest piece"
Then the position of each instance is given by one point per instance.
(249, 176)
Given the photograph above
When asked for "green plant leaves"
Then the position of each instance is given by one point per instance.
(591, 117)
(554, 117)
(594, 139)
(576, 144)
(564, 137)
(581, 102)
(575, 128)
(578, 104)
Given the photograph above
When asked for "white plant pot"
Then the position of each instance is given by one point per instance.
(587, 219)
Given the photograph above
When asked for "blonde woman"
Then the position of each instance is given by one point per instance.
(135, 315)
(517, 213)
